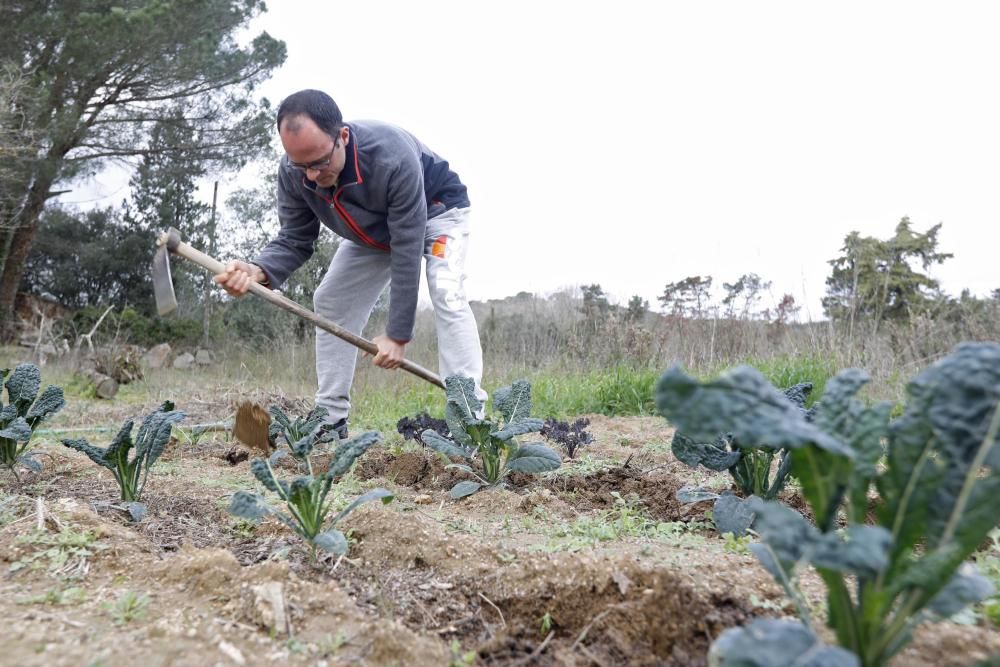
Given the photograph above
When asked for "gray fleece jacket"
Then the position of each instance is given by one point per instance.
(390, 186)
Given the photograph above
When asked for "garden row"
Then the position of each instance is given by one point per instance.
(898, 505)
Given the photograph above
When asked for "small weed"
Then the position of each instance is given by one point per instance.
(460, 658)
(9, 511)
(168, 469)
(760, 603)
(57, 597)
(296, 647)
(657, 447)
(224, 481)
(736, 545)
(627, 518)
(130, 606)
(328, 645)
(545, 624)
(242, 528)
(988, 562)
(65, 552)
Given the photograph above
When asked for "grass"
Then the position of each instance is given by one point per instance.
(130, 606)
(560, 389)
(785, 371)
(627, 518)
(64, 552)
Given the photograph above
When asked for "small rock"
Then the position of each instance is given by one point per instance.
(184, 361)
(232, 652)
(423, 499)
(269, 605)
(204, 358)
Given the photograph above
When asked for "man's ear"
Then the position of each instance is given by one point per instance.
(345, 135)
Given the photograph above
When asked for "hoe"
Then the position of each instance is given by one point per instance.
(251, 419)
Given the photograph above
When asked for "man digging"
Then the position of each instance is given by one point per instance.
(393, 201)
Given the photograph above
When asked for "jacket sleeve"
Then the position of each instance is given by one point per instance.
(407, 221)
(297, 235)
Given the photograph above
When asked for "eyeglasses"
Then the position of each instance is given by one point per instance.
(319, 165)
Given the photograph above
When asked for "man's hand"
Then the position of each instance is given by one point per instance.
(238, 276)
(390, 352)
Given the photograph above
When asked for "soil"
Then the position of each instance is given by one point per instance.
(518, 575)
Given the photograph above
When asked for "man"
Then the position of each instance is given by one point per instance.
(393, 201)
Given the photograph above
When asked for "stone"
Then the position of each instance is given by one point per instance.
(157, 356)
(204, 357)
(184, 361)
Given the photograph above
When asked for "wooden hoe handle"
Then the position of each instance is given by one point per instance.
(172, 240)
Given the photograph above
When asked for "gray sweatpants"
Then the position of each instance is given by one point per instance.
(353, 283)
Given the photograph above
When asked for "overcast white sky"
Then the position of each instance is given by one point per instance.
(635, 143)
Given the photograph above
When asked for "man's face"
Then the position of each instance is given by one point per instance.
(314, 151)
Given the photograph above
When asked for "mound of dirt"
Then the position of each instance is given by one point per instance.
(613, 607)
(656, 491)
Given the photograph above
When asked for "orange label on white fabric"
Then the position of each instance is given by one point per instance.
(440, 244)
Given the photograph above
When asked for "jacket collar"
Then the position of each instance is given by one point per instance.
(351, 173)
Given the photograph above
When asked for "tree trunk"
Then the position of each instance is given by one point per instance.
(209, 282)
(17, 256)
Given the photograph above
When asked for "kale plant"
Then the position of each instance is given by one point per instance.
(149, 443)
(492, 440)
(750, 465)
(306, 496)
(412, 428)
(25, 410)
(293, 428)
(938, 485)
(570, 436)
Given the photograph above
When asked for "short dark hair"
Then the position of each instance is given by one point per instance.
(315, 104)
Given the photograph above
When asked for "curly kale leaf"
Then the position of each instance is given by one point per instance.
(520, 427)
(513, 402)
(154, 434)
(715, 456)
(776, 643)
(297, 428)
(22, 387)
(47, 404)
(445, 446)
(348, 452)
(533, 457)
(250, 506)
(740, 402)
(462, 408)
(17, 431)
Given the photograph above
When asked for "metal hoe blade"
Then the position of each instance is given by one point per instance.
(163, 285)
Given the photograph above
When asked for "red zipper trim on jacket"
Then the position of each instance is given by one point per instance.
(354, 226)
(335, 202)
